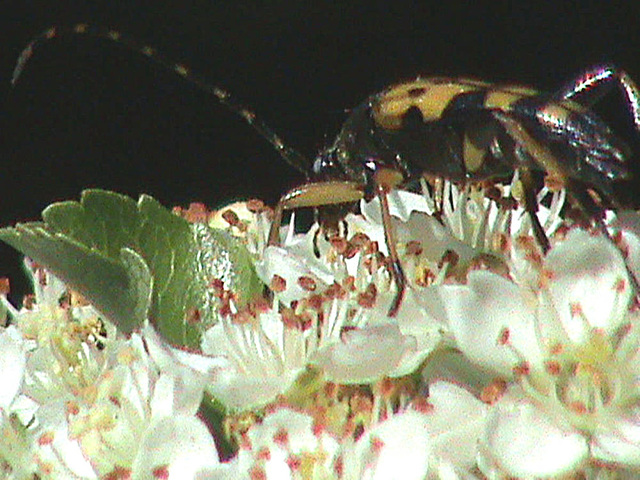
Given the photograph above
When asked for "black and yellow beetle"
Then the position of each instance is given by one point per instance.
(448, 128)
(470, 131)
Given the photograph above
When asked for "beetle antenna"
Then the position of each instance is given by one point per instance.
(290, 155)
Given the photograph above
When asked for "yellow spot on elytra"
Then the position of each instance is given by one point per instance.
(390, 108)
(501, 99)
(473, 156)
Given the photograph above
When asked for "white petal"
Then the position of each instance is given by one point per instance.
(440, 238)
(620, 440)
(187, 373)
(401, 204)
(526, 443)
(169, 358)
(279, 261)
(415, 322)
(587, 272)
(238, 391)
(456, 424)
(364, 355)
(396, 448)
(12, 364)
(180, 446)
(479, 313)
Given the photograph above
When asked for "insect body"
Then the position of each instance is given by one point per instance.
(457, 129)
(470, 131)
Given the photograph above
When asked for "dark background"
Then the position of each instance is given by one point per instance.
(87, 113)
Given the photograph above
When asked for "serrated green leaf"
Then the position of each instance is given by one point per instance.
(105, 221)
(169, 248)
(119, 292)
(113, 250)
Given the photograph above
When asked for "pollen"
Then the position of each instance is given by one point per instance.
(414, 247)
(161, 472)
(281, 437)
(522, 369)
(46, 438)
(494, 391)
(367, 299)
(576, 309)
(503, 338)
(621, 285)
(553, 367)
(307, 283)
(4, 286)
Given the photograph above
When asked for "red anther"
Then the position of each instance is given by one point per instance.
(307, 283)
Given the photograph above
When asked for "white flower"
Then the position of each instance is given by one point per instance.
(13, 359)
(439, 442)
(287, 445)
(500, 362)
(109, 423)
(570, 342)
(329, 311)
(260, 357)
(464, 221)
(16, 443)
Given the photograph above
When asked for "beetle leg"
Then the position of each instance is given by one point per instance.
(553, 169)
(395, 268)
(319, 194)
(531, 207)
(594, 83)
(386, 179)
(316, 194)
(587, 206)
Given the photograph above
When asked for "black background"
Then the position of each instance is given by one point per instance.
(87, 113)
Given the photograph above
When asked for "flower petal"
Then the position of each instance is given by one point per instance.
(620, 442)
(456, 423)
(178, 447)
(12, 364)
(589, 284)
(481, 312)
(400, 444)
(365, 355)
(525, 442)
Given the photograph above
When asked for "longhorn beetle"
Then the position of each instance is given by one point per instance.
(457, 129)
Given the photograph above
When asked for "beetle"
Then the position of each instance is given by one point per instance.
(458, 129)
(466, 130)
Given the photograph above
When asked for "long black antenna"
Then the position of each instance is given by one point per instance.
(291, 156)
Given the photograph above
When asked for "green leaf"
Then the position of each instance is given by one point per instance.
(119, 291)
(137, 260)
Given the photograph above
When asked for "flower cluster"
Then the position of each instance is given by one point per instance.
(502, 361)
